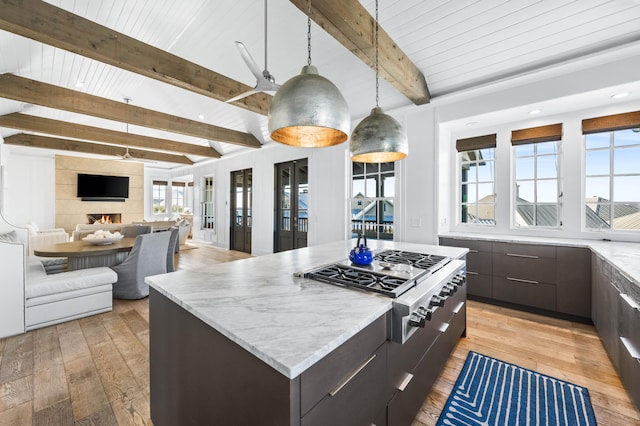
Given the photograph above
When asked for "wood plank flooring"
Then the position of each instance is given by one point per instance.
(95, 371)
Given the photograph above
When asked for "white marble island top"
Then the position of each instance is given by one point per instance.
(288, 322)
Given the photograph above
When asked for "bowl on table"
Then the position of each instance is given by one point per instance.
(101, 238)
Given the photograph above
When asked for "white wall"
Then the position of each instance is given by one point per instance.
(328, 194)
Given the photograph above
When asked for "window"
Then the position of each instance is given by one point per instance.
(177, 197)
(372, 202)
(612, 179)
(159, 197)
(207, 204)
(537, 194)
(476, 165)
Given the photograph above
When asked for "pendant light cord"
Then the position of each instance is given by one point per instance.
(309, 33)
(376, 35)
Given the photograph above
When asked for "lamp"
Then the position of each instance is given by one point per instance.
(308, 110)
(378, 138)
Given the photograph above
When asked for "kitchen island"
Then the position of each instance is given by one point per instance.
(247, 342)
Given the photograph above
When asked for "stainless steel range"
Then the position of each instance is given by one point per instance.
(419, 283)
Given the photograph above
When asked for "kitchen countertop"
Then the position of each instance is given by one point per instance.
(622, 255)
(288, 322)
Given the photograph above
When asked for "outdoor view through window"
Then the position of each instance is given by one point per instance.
(477, 175)
(612, 180)
(373, 191)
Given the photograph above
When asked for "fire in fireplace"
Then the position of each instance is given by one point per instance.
(103, 218)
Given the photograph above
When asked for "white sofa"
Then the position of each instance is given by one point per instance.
(55, 298)
(30, 298)
(39, 238)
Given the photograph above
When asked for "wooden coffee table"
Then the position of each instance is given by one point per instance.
(83, 255)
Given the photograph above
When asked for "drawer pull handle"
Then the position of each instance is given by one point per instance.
(526, 256)
(443, 328)
(520, 280)
(632, 303)
(458, 307)
(405, 382)
(471, 273)
(633, 352)
(351, 376)
(473, 251)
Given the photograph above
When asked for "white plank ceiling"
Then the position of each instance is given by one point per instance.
(457, 44)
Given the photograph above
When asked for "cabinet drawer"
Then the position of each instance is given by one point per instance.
(479, 285)
(480, 262)
(573, 281)
(541, 295)
(405, 404)
(473, 245)
(319, 379)
(357, 399)
(629, 368)
(539, 269)
(525, 249)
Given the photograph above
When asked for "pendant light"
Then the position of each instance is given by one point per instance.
(308, 110)
(378, 138)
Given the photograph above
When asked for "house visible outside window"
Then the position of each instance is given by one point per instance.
(159, 197)
(476, 168)
(207, 203)
(612, 174)
(372, 202)
(177, 197)
(537, 194)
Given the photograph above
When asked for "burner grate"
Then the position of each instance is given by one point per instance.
(429, 262)
(352, 277)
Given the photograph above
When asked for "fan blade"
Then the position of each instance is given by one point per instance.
(248, 59)
(243, 95)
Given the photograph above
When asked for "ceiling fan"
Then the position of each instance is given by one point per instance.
(265, 82)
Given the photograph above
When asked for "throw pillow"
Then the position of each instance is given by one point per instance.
(9, 237)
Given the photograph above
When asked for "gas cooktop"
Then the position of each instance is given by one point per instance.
(392, 272)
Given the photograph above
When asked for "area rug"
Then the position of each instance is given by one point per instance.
(492, 392)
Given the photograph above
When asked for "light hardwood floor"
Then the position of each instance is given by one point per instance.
(95, 371)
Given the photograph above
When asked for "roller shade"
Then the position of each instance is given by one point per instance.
(177, 184)
(552, 132)
(477, 142)
(160, 182)
(608, 123)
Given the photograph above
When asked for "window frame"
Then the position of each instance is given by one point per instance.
(207, 204)
(460, 204)
(382, 228)
(160, 186)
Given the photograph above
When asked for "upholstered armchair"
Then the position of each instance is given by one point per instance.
(39, 238)
(147, 257)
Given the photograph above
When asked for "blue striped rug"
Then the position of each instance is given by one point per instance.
(492, 392)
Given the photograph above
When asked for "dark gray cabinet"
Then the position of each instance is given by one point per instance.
(479, 265)
(544, 277)
(573, 282)
(616, 316)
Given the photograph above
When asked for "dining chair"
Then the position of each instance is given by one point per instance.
(147, 257)
(173, 248)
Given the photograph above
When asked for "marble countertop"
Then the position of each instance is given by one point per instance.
(622, 255)
(288, 322)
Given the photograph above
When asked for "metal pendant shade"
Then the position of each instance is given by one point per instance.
(309, 111)
(378, 138)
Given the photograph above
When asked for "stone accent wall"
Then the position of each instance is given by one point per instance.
(71, 210)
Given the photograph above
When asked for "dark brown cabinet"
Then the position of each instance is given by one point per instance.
(479, 265)
(554, 279)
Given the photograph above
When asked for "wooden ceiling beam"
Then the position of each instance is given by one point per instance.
(47, 95)
(36, 141)
(31, 123)
(56, 27)
(351, 24)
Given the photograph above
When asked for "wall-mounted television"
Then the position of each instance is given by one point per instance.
(102, 188)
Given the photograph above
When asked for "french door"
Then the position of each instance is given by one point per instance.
(291, 202)
(241, 210)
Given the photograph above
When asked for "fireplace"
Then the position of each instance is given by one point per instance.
(104, 218)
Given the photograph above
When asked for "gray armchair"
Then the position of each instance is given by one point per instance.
(147, 257)
(173, 248)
